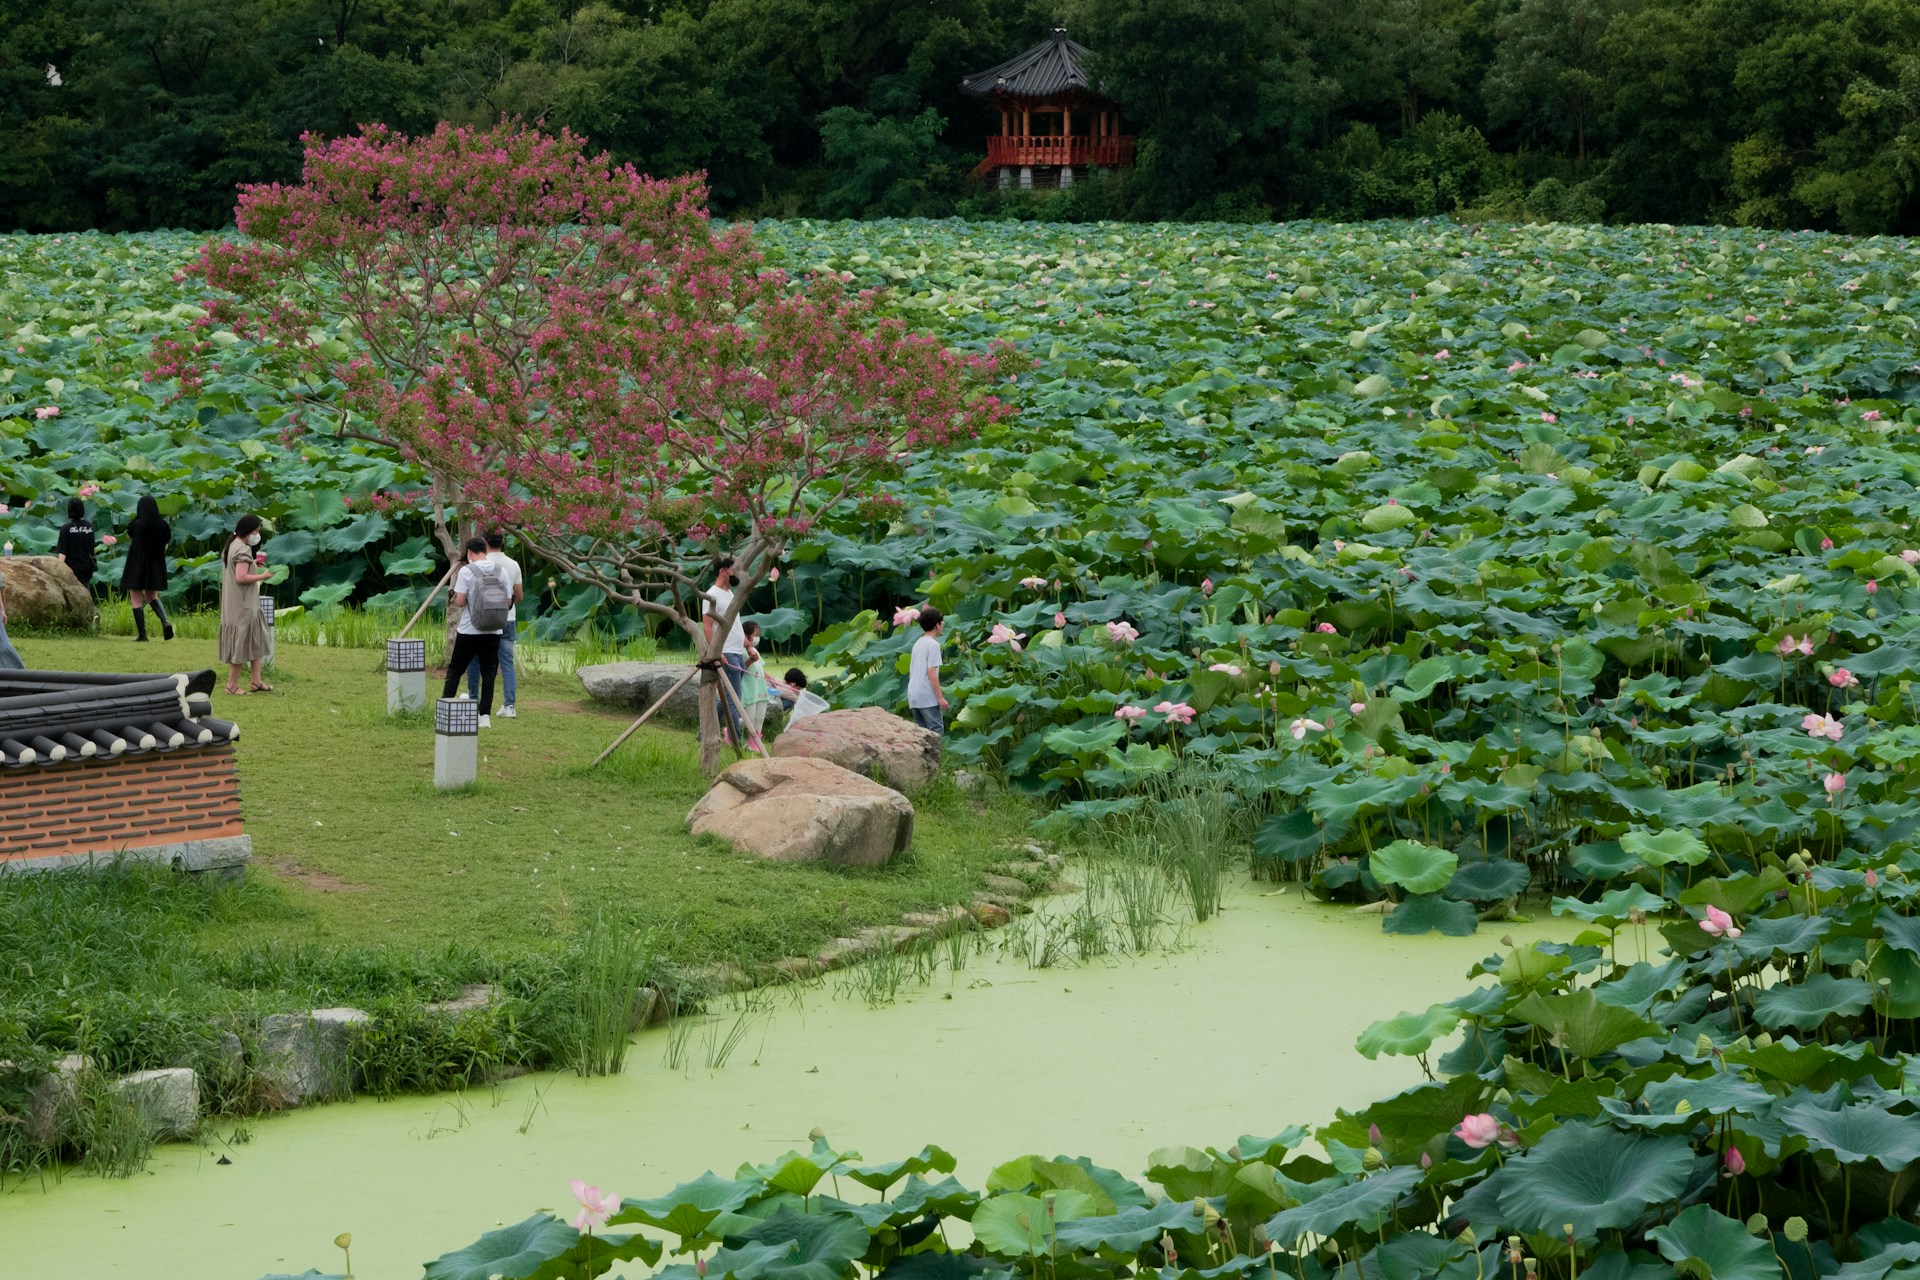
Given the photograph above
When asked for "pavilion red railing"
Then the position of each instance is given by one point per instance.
(1109, 151)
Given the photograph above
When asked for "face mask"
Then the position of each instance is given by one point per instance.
(253, 539)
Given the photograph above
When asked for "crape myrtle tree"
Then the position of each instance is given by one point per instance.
(403, 280)
(568, 348)
(705, 406)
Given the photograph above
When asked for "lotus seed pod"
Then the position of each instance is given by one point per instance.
(1763, 1040)
(1741, 1045)
(1683, 1108)
(1466, 1237)
(343, 1241)
(1757, 1224)
(1858, 968)
(1702, 1045)
(1795, 1229)
(1371, 1159)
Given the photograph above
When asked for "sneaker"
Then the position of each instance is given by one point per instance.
(508, 713)
(486, 722)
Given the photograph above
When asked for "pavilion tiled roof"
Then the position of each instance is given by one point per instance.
(57, 717)
(1055, 65)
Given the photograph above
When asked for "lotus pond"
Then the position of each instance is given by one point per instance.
(961, 1061)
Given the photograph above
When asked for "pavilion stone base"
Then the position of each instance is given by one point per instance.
(178, 808)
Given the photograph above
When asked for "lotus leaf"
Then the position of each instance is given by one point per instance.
(1431, 913)
(688, 1208)
(1490, 881)
(539, 1248)
(1811, 1001)
(1855, 1134)
(1129, 1229)
(1595, 1177)
(1415, 867)
(1660, 849)
(1409, 1033)
(1363, 1204)
(1581, 1024)
(1704, 1241)
(1017, 1225)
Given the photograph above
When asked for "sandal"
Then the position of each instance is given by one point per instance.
(236, 693)
(261, 688)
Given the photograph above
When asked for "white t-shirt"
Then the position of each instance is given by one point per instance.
(926, 657)
(463, 586)
(510, 570)
(719, 600)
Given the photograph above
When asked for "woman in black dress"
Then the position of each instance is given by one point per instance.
(75, 545)
(145, 576)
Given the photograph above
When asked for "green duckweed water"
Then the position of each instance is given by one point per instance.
(1249, 1028)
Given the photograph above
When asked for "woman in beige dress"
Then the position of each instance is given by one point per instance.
(243, 631)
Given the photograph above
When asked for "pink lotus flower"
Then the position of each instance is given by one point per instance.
(1788, 646)
(88, 489)
(4, 509)
(1872, 586)
(1034, 584)
(1910, 556)
(1826, 544)
(1129, 713)
(1719, 924)
(46, 411)
(1299, 728)
(596, 1206)
(1206, 586)
(1225, 668)
(1752, 319)
(1357, 708)
(1178, 712)
(1122, 632)
(1478, 1131)
(1841, 678)
(109, 540)
(1871, 415)
(1819, 726)
(1004, 634)
(1273, 668)
(1060, 620)
(1736, 1163)
(1547, 417)
(906, 615)
(773, 575)
(1442, 354)
(1872, 878)
(1835, 783)
(1328, 629)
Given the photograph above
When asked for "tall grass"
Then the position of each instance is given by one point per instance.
(1194, 825)
(609, 963)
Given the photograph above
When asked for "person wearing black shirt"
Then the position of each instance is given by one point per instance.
(75, 545)
(145, 575)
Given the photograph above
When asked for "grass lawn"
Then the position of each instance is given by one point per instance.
(354, 847)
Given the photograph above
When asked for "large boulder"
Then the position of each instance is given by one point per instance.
(635, 686)
(42, 592)
(868, 741)
(797, 809)
(309, 1056)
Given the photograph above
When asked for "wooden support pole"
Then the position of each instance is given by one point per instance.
(726, 690)
(647, 715)
(451, 570)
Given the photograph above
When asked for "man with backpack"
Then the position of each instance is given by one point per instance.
(510, 568)
(485, 599)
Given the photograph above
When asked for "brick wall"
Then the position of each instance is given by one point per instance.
(104, 806)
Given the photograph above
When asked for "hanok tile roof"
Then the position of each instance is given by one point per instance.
(1055, 65)
(51, 717)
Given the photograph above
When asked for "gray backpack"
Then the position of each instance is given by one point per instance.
(490, 600)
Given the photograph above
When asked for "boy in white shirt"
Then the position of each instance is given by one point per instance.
(925, 701)
(472, 643)
(733, 653)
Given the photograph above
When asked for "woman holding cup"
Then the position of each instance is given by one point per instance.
(243, 631)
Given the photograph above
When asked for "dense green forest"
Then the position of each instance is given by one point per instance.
(129, 114)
